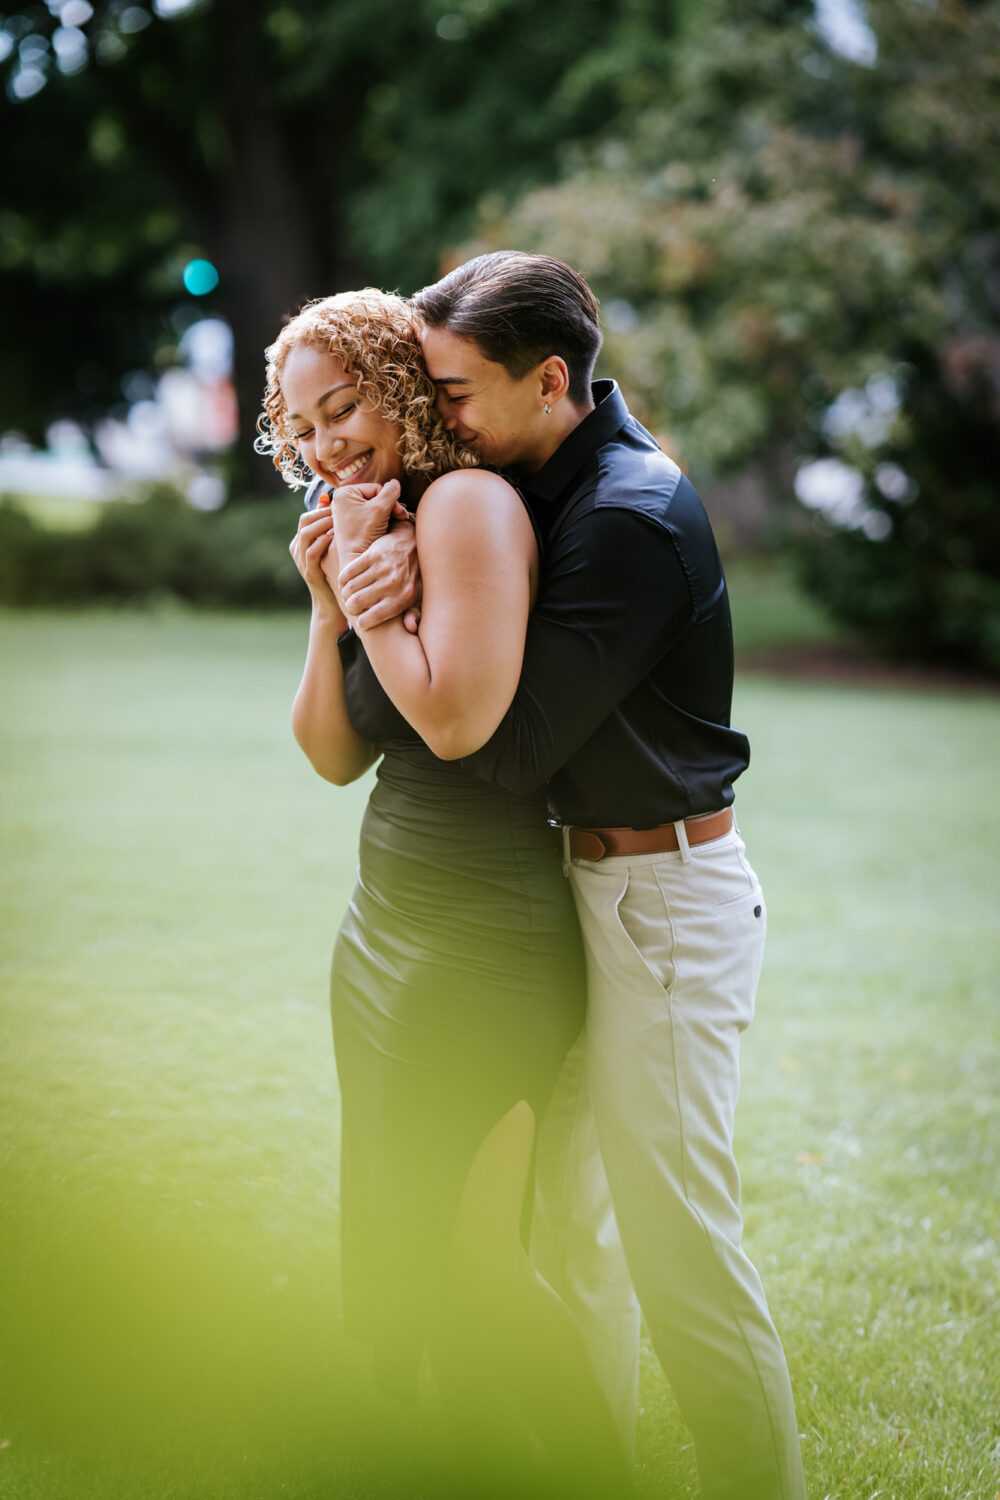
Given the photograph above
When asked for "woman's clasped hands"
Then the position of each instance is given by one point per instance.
(357, 554)
(378, 577)
(312, 543)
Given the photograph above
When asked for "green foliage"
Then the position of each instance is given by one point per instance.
(302, 147)
(771, 610)
(154, 548)
(786, 227)
(490, 91)
(944, 609)
(769, 226)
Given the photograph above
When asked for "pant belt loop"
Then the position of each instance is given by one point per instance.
(565, 848)
(682, 842)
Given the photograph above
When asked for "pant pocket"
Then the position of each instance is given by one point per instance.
(644, 921)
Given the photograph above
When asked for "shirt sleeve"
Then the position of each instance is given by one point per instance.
(614, 598)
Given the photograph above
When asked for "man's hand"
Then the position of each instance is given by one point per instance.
(384, 581)
(364, 512)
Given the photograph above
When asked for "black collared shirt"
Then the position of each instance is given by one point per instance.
(624, 699)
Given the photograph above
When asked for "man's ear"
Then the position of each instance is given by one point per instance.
(553, 378)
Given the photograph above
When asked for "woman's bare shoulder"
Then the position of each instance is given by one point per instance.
(472, 484)
(473, 510)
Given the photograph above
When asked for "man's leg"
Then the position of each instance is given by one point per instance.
(674, 946)
(576, 1245)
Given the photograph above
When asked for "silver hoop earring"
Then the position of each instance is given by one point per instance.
(548, 409)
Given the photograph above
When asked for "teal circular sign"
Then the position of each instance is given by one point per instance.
(200, 278)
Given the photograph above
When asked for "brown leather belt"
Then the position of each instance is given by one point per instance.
(595, 843)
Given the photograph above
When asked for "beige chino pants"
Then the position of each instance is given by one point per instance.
(674, 945)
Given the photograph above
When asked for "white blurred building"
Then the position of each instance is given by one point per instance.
(188, 416)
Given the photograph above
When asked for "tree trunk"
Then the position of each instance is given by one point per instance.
(273, 238)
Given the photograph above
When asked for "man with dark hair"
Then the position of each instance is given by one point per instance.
(623, 708)
(518, 308)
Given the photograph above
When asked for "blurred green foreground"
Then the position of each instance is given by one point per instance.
(173, 878)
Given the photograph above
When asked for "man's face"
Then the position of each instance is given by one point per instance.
(500, 418)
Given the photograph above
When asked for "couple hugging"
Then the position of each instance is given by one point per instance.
(519, 612)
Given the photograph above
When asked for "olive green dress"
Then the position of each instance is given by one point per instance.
(457, 990)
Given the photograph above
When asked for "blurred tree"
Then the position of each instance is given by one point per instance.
(799, 256)
(298, 145)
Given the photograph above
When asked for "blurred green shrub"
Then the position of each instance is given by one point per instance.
(798, 257)
(948, 612)
(154, 547)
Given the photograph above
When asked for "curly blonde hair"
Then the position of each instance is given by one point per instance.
(376, 336)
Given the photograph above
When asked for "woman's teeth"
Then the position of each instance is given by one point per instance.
(352, 468)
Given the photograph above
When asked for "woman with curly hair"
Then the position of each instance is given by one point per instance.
(457, 983)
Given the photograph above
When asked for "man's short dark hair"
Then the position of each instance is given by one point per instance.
(518, 309)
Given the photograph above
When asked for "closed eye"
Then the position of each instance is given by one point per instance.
(300, 437)
(343, 412)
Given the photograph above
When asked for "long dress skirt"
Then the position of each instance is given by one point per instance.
(457, 990)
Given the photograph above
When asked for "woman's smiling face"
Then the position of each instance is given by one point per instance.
(340, 437)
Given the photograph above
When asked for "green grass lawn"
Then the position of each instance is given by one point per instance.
(172, 880)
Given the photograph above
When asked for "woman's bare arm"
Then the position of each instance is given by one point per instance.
(454, 681)
(319, 713)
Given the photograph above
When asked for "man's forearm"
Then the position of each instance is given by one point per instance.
(384, 582)
(587, 647)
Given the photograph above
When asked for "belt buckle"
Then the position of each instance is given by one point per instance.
(563, 829)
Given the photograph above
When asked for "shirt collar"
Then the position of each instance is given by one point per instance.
(608, 417)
